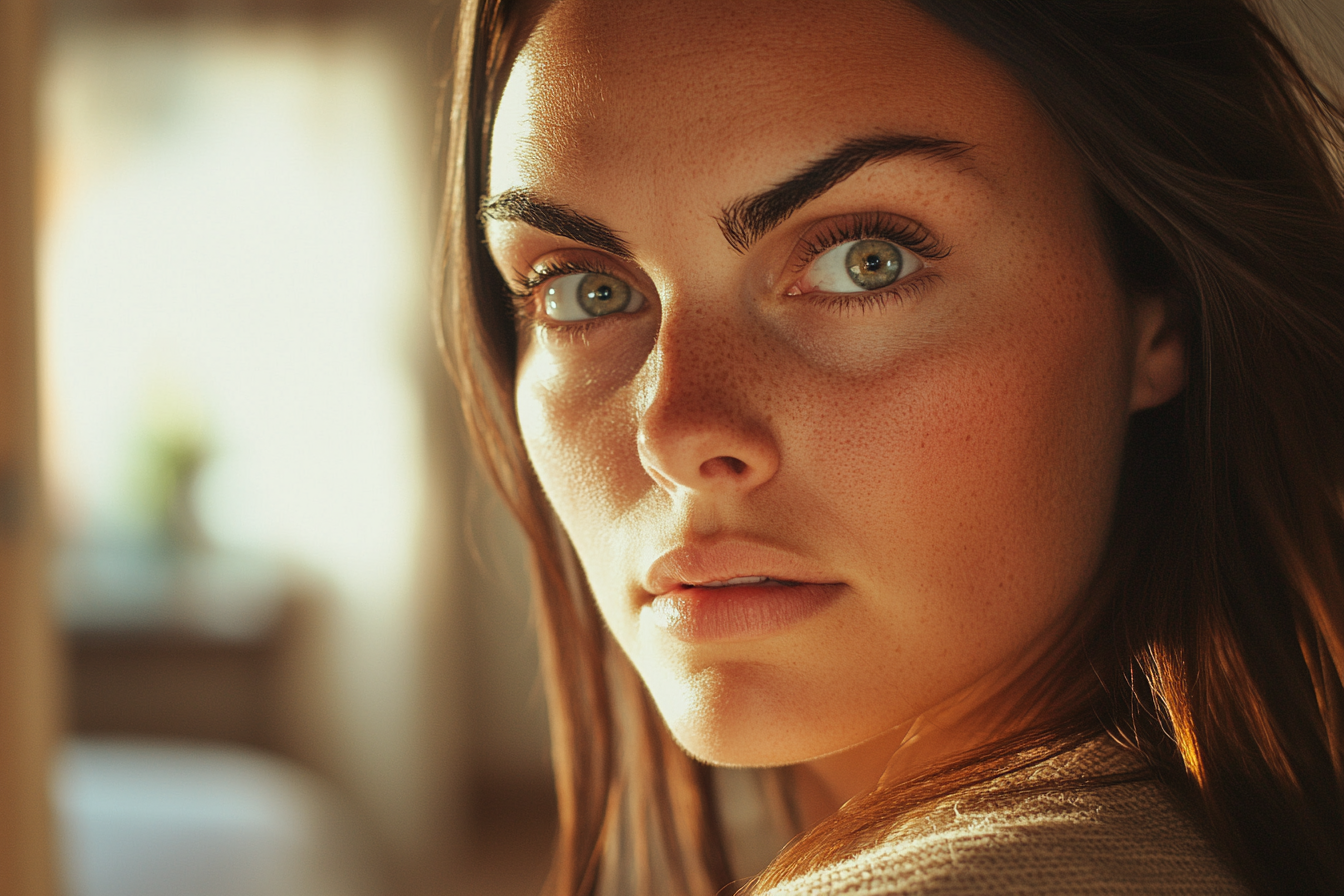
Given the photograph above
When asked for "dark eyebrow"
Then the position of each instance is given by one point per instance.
(750, 218)
(552, 217)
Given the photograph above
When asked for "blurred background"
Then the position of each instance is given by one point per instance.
(297, 655)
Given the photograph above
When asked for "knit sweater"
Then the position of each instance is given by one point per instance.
(1117, 839)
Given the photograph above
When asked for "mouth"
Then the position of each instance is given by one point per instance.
(740, 580)
(734, 591)
(731, 563)
(738, 609)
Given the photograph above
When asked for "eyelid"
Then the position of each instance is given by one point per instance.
(893, 228)
(525, 286)
(826, 236)
(544, 272)
(569, 260)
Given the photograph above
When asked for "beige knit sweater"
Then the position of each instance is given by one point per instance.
(1119, 839)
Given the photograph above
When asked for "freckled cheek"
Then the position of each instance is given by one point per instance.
(977, 476)
(580, 438)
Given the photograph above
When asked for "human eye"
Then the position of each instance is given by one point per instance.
(568, 294)
(868, 255)
(859, 266)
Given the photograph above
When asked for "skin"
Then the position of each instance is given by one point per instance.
(949, 452)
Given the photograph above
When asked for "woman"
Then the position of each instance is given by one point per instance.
(939, 401)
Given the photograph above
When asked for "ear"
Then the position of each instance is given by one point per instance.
(1159, 353)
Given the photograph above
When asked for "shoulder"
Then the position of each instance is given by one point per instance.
(1127, 838)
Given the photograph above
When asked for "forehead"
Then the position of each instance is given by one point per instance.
(611, 95)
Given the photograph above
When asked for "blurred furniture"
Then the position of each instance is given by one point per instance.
(185, 673)
(195, 645)
(175, 684)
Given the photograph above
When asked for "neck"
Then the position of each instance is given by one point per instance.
(1001, 704)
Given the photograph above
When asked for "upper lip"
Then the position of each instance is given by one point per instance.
(700, 564)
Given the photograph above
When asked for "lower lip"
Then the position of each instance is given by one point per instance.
(738, 612)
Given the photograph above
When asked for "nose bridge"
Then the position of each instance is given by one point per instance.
(703, 423)
(688, 376)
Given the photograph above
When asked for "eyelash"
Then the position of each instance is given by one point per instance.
(871, 226)
(524, 300)
(868, 226)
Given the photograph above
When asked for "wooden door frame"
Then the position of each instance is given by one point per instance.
(29, 705)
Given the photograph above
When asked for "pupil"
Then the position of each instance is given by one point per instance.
(600, 294)
(873, 264)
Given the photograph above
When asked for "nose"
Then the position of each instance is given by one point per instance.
(703, 421)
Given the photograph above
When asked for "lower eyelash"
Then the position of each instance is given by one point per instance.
(525, 314)
(867, 226)
(524, 302)
(860, 302)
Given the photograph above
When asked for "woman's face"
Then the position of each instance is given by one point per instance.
(824, 367)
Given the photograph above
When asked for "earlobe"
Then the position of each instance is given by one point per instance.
(1160, 355)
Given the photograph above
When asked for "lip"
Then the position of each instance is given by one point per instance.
(683, 604)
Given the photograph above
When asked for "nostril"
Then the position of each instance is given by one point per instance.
(723, 464)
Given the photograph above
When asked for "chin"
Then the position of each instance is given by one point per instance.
(735, 715)
(734, 746)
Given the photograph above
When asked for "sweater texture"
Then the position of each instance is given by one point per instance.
(1128, 838)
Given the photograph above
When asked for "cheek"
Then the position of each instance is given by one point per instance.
(580, 436)
(992, 469)
(963, 489)
(575, 419)
(571, 444)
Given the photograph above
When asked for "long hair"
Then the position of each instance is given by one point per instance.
(1218, 650)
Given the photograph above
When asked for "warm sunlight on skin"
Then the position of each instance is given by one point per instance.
(897, 390)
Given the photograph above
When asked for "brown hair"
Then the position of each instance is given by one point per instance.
(1218, 651)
